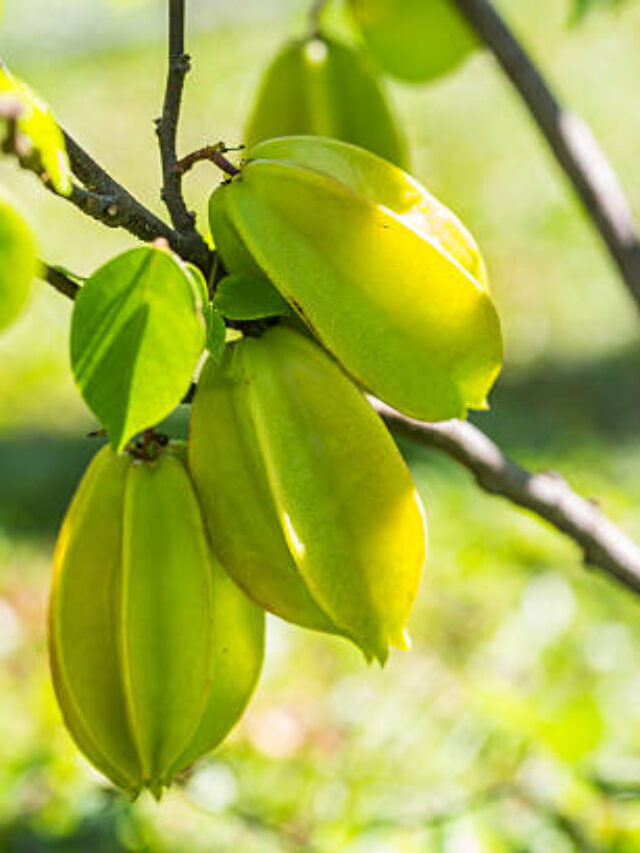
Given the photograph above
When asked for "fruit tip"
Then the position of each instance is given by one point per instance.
(403, 641)
(380, 654)
(157, 790)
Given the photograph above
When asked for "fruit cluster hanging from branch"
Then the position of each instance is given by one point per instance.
(335, 275)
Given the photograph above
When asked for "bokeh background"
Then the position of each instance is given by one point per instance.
(514, 724)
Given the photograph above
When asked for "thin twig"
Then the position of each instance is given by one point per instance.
(547, 495)
(212, 153)
(167, 126)
(570, 140)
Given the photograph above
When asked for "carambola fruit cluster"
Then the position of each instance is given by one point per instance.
(291, 496)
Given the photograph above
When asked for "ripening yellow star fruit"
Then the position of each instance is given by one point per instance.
(154, 651)
(321, 87)
(383, 274)
(308, 503)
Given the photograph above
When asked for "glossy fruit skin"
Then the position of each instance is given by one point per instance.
(19, 264)
(321, 87)
(384, 275)
(308, 502)
(414, 40)
(154, 652)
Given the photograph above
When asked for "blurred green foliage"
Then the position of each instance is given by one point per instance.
(583, 7)
(514, 724)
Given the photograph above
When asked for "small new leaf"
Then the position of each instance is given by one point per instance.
(245, 297)
(137, 334)
(36, 132)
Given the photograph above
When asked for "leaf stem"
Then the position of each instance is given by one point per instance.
(61, 282)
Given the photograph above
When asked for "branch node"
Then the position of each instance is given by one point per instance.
(182, 63)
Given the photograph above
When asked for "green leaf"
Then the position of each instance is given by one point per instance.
(244, 297)
(137, 334)
(38, 132)
(216, 336)
(18, 264)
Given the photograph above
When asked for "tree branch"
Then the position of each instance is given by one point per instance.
(167, 125)
(570, 139)
(107, 201)
(547, 495)
(102, 189)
